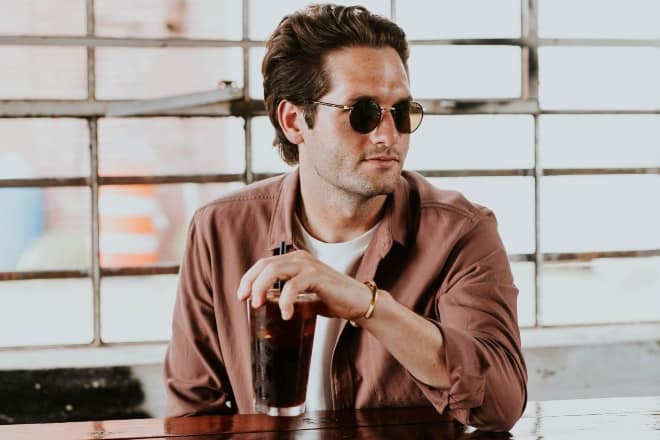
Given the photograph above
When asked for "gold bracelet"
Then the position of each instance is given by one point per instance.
(372, 306)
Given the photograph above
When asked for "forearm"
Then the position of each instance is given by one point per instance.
(486, 385)
(411, 339)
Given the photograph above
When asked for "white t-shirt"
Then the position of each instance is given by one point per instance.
(342, 257)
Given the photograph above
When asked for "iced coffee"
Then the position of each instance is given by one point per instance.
(281, 352)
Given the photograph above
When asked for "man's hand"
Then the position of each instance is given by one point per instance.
(344, 297)
(341, 296)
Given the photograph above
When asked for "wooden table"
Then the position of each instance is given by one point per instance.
(615, 418)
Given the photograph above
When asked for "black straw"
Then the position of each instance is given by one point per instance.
(280, 283)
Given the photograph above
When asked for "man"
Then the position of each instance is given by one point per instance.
(420, 273)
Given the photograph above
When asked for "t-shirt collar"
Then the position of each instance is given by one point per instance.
(395, 225)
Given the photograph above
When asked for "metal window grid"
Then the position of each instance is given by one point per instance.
(239, 103)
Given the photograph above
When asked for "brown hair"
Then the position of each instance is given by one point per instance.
(293, 66)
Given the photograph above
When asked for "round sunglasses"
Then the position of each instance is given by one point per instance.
(366, 114)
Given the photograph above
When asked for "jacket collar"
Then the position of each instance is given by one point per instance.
(281, 222)
(395, 225)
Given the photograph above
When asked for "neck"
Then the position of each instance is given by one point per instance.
(335, 217)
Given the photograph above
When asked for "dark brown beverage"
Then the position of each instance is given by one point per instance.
(281, 352)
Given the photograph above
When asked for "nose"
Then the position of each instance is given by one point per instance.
(385, 133)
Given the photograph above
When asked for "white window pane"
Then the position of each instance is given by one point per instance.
(167, 18)
(161, 146)
(453, 72)
(146, 224)
(43, 147)
(457, 19)
(137, 308)
(510, 198)
(599, 19)
(472, 142)
(42, 17)
(600, 213)
(624, 78)
(456, 72)
(128, 73)
(599, 141)
(48, 228)
(266, 14)
(523, 275)
(256, 79)
(30, 72)
(265, 157)
(46, 312)
(600, 291)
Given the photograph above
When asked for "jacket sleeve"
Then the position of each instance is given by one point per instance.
(195, 377)
(477, 316)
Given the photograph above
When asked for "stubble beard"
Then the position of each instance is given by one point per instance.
(346, 177)
(356, 185)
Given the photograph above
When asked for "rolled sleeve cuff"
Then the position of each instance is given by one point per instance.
(467, 383)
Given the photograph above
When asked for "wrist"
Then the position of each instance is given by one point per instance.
(371, 308)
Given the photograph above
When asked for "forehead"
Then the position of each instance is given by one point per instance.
(366, 71)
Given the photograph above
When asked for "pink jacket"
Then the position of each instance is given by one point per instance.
(434, 251)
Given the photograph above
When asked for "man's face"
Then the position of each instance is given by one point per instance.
(333, 156)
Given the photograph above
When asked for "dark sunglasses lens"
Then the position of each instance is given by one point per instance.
(408, 116)
(365, 115)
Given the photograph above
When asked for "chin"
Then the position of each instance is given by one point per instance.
(367, 185)
(373, 189)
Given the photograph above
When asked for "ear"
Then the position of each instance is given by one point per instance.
(290, 117)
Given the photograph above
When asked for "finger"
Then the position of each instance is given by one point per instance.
(258, 298)
(245, 285)
(289, 295)
(280, 268)
(265, 272)
(268, 276)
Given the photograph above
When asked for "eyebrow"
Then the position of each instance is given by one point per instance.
(352, 101)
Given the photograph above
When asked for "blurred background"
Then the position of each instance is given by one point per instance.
(118, 118)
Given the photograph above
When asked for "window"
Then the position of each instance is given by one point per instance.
(543, 110)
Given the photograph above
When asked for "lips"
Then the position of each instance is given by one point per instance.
(383, 158)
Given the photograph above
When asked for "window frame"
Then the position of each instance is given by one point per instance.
(233, 101)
